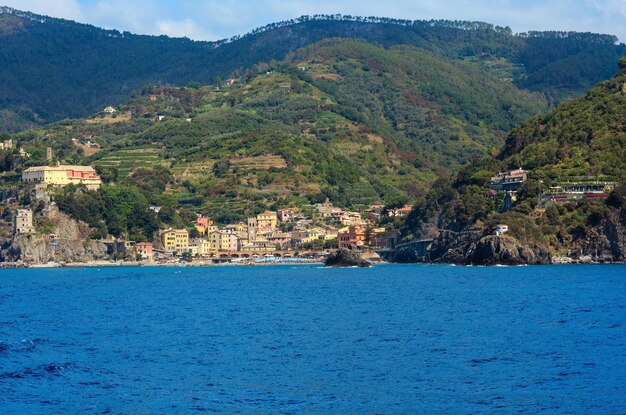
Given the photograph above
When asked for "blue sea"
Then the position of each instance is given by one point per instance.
(393, 339)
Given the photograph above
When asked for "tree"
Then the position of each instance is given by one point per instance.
(220, 168)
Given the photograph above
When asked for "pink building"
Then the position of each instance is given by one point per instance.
(144, 249)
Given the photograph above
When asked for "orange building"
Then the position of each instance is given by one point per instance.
(354, 236)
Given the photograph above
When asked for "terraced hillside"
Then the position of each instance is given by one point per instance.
(342, 119)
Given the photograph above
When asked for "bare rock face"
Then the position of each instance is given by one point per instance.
(346, 258)
(69, 242)
(478, 248)
(605, 242)
(506, 250)
(453, 247)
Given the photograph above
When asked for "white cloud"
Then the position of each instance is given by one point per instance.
(67, 9)
(182, 28)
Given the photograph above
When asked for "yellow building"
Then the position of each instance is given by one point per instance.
(175, 240)
(218, 241)
(223, 241)
(62, 176)
(267, 220)
(204, 247)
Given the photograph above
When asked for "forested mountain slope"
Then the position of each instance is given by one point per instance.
(54, 68)
(341, 119)
(582, 141)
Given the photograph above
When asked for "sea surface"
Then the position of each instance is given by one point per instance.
(393, 339)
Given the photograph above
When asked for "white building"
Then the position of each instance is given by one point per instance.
(501, 229)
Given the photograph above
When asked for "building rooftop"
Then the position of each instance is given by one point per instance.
(60, 168)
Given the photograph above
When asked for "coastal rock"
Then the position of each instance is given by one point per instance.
(605, 242)
(69, 242)
(477, 248)
(453, 247)
(346, 258)
(506, 250)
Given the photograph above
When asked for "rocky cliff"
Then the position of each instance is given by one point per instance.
(473, 248)
(605, 242)
(602, 242)
(68, 241)
(506, 250)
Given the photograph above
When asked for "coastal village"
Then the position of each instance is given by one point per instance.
(284, 235)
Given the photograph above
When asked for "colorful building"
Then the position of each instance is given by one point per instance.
(144, 250)
(509, 180)
(355, 235)
(175, 240)
(62, 176)
(286, 215)
(223, 241)
(204, 225)
(267, 220)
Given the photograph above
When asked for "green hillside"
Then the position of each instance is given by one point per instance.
(342, 119)
(54, 68)
(586, 136)
(582, 141)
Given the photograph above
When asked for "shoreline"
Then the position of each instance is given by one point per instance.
(120, 264)
(123, 264)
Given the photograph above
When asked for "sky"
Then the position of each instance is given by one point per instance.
(219, 19)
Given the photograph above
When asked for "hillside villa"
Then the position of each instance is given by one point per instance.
(509, 180)
(578, 188)
(62, 176)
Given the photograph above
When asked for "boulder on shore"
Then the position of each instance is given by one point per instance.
(346, 258)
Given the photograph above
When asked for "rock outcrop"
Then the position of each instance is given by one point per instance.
(452, 247)
(346, 258)
(70, 241)
(506, 250)
(474, 248)
(605, 242)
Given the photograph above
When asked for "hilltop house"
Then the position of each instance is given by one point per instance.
(501, 229)
(509, 180)
(327, 210)
(350, 218)
(403, 212)
(62, 176)
(377, 208)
